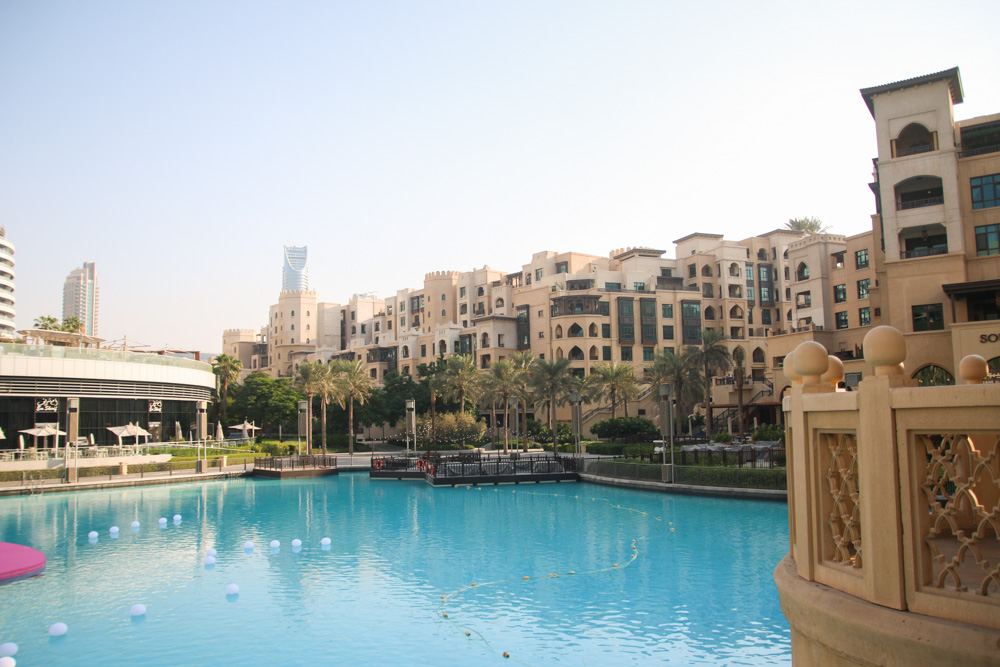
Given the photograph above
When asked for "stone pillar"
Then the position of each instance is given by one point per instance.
(122, 468)
(223, 460)
(201, 421)
(304, 422)
(72, 421)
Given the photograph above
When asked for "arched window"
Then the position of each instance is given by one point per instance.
(735, 292)
(918, 192)
(758, 356)
(376, 326)
(485, 340)
(354, 329)
(479, 292)
(736, 312)
(914, 139)
(706, 271)
(592, 331)
(499, 303)
(710, 313)
(463, 309)
(442, 347)
(575, 331)
(406, 352)
(559, 353)
(788, 316)
(454, 347)
(933, 376)
(576, 354)
(994, 366)
(293, 341)
(593, 353)
(293, 327)
(558, 331)
(293, 313)
(443, 297)
(734, 270)
(802, 273)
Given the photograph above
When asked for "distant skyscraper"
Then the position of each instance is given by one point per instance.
(294, 274)
(6, 286)
(80, 297)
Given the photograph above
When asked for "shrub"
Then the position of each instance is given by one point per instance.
(623, 427)
(768, 433)
(722, 436)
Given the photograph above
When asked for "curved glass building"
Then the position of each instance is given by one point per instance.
(6, 286)
(294, 273)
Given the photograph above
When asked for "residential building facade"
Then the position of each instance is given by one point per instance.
(7, 300)
(81, 297)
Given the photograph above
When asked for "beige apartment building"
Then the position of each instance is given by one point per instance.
(930, 266)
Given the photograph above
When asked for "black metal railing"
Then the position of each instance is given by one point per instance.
(303, 462)
(919, 203)
(914, 150)
(742, 478)
(926, 251)
(979, 150)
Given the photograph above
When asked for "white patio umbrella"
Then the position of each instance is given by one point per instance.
(43, 432)
(180, 433)
(246, 427)
(219, 435)
(129, 431)
(2, 436)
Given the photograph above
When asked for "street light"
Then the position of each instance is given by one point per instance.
(666, 400)
(577, 402)
(514, 410)
(411, 411)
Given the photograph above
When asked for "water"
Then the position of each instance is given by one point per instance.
(403, 554)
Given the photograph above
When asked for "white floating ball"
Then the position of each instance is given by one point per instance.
(163, 520)
(177, 517)
(209, 560)
(8, 649)
(296, 543)
(138, 610)
(92, 534)
(7, 661)
(325, 541)
(275, 544)
(114, 529)
(232, 589)
(248, 545)
(211, 552)
(58, 629)
(135, 524)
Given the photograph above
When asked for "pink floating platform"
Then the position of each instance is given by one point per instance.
(17, 560)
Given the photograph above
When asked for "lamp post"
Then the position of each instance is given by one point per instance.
(667, 425)
(411, 411)
(514, 411)
(577, 402)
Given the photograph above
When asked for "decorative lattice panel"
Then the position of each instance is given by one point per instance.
(843, 503)
(961, 493)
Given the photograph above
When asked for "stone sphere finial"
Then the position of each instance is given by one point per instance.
(885, 349)
(811, 361)
(788, 366)
(973, 369)
(835, 373)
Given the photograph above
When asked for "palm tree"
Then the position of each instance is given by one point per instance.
(72, 325)
(461, 379)
(553, 380)
(679, 372)
(352, 384)
(308, 380)
(47, 322)
(503, 383)
(616, 380)
(227, 369)
(807, 225)
(523, 362)
(739, 370)
(711, 356)
(327, 390)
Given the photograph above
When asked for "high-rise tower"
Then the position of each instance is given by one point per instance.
(294, 273)
(80, 297)
(6, 286)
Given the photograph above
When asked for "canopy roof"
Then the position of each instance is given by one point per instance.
(66, 337)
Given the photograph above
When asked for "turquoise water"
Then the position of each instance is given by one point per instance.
(402, 556)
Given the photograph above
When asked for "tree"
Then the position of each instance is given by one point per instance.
(712, 356)
(524, 362)
(553, 380)
(679, 372)
(353, 384)
(265, 401)
(739, 370)
(309, 380)
(503, 382)
(326, 389)
(72, 325)
(616, 380)
(227, 369)
(460, 379)
(47, 322)
(807, 225)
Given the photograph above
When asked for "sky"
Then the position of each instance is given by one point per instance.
(180, 144)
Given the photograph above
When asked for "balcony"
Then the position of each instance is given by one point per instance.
(914, 150)
(927, 251)
(979, 150)
(919, 203)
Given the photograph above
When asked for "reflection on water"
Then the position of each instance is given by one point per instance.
(402, 555)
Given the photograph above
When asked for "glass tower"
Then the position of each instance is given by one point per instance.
(294, 273)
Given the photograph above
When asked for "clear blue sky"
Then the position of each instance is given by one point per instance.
(180, 144)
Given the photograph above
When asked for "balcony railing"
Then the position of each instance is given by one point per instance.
(980, 150)
(919, 203)
(928, 251)
(99, 354)
(914, 150)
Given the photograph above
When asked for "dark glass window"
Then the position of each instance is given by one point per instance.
(668, 332)
(986, 191)
(691, 310)
(864, 316)
(647, 353)
(841, 318)
(607, 352)
(839, 293)
(863, 286)
(988, 240)
(667, 310)
(562, 267)
(605, 331)
(626, 353)
(861, 259)
(612, 286)
(928, 317)
(765, 316)
(603, 307)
